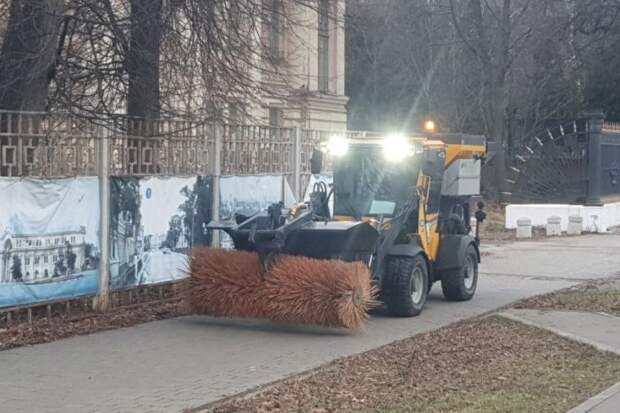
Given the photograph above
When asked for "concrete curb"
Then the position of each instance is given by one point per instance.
(570, 336)
(591, 404)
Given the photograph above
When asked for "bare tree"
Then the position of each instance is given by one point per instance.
(28, 54)
(143, 99)
(181, 58)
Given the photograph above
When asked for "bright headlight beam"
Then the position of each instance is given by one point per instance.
(338, 145)
(396, 148)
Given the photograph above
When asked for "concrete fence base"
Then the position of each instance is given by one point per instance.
(597, 219)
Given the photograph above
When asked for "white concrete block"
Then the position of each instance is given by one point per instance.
(524, 228)
(554, 226)
(575, 225)
(595, 219)
(539, 213)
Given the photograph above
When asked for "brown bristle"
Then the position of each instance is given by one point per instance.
(295, 289)
(325, 292)
(225, 283)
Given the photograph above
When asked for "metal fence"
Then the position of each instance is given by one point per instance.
(611, 127)
(568, 161)
(45, 145)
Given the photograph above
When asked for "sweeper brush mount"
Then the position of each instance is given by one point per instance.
(269, 234)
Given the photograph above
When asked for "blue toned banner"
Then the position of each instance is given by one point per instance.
(49, 239)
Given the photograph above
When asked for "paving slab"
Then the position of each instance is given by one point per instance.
(605, 402)
(170, 365)
(580, 258)
(599, 330)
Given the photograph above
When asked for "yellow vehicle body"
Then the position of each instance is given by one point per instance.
(429, 237)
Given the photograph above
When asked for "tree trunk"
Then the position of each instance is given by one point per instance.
(28, 54)
(143, 98)
(500, 99)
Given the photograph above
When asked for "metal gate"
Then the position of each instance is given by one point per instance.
(552, 166)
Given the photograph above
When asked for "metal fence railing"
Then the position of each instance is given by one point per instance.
(45, 145)
(612, 127)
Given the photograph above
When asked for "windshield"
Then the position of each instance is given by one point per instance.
(366, 184)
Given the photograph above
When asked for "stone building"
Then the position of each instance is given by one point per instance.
(301, 79)
(33, 257)
(313, 62)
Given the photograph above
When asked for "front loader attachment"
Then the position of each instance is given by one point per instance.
(304, 271)
(347, 241)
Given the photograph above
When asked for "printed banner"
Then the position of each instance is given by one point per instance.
(48, 239)
(155, 223)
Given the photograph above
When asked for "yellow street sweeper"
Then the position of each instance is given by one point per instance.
(395, 220)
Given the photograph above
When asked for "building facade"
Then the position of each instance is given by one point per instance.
(309, 93)
(300, 81)
(27, 257)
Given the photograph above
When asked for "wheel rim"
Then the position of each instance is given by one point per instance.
(417, 285)
(469, 275)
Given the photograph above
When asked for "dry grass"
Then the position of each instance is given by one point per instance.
(493, 228)
(484, 365)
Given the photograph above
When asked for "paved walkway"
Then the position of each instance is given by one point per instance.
(170, 365)
(599, 330)
(605, 402)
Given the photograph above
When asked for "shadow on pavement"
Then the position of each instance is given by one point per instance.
(265, 326)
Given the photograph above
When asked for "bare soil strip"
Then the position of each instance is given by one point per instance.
(44, 330)
(486, 364)
(594, 297)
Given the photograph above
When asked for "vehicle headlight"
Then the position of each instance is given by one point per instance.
(397, 147)
(338, 145)
(430, 126)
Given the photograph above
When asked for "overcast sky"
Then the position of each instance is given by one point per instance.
(163, 203)
(50, 206)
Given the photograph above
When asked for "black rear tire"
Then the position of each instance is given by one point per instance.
(405, 286)
(460, 285)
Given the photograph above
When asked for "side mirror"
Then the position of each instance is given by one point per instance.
(316, 162)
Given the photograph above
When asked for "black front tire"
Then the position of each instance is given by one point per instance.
(460, 285)
(406, 286)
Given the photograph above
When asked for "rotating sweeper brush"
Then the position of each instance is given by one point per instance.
(294, 289)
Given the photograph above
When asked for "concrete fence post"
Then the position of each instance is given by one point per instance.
(554, 226)
(217, 174)
(575, 225)
(297, 164)
(524, 228)
(102, 300)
